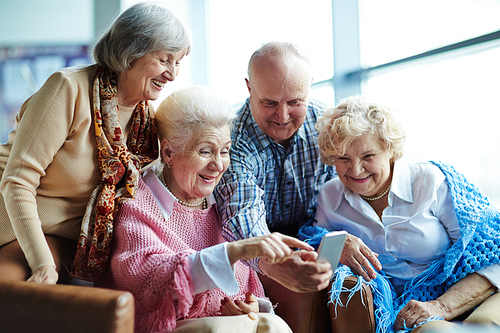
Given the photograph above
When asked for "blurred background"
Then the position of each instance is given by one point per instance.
(436, 62)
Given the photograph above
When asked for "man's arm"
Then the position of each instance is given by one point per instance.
(239, 197)
(241, 207)
(299, 273)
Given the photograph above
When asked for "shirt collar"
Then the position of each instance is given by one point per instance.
(401, 182)
(163, 197)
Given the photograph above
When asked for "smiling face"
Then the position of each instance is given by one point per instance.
(147, 76)
(365, 168)
(195, 172)
(278, 95)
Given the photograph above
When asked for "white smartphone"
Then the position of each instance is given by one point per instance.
(331, 246)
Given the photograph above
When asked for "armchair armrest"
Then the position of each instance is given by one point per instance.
(358, 316)
(303, 312)
(33, 307)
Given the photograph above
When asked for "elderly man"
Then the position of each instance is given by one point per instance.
(276, 169)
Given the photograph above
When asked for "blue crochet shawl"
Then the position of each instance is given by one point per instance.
(478, 247)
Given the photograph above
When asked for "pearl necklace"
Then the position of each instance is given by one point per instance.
(202, 201)
(379, 197)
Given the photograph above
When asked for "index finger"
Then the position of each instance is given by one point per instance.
(368, 268)
(370, 264)
(372, 257)
(234, 309)
(294, 242)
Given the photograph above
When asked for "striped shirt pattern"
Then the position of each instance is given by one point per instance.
(266, 186)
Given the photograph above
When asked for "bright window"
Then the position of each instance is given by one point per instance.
(238, 28)
(448, 103)
(395, 29)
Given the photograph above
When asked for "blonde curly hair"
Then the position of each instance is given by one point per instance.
(352, 118)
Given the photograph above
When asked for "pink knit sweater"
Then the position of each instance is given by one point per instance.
(149, 259)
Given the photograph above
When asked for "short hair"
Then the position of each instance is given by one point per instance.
(142, 29)
(278, 50)
(186, 112)
(353, 117)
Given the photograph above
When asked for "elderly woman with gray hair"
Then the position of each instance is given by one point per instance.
(78, 146)
(169, 250)
(432, 235)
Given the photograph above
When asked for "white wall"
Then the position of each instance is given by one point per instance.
(52, 22)
(71, 22)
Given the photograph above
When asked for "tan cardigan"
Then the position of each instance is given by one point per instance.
(49, 166)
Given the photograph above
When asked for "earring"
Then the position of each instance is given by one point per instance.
(169, 165)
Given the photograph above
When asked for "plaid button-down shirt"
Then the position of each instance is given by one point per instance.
(267, 187)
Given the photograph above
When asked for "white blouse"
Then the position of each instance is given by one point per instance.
(418, 226)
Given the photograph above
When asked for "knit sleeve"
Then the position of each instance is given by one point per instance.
(42, 126)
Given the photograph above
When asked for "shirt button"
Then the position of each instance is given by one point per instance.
(253, 316)
(287, 206)
(289, 183)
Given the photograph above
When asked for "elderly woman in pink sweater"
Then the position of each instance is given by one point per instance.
(169, 249)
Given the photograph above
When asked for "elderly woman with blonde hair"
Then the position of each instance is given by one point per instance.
(431, 234)
(169, 249)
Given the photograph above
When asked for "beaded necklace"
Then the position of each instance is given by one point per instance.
(202, 202)
(379, 197)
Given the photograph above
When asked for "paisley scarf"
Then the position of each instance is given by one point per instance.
(119, 165)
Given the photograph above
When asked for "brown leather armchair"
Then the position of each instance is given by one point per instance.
(310, 313)
(358, 316)
(303, 312)
(33, 307)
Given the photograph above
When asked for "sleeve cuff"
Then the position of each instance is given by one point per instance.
(210, 268)
(265, 305)
(492, 273)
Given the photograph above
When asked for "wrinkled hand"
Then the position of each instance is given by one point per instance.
(300, 272)
(416, 312)
(358, 257)
(45, 274)
(228, 307)
(273, 248)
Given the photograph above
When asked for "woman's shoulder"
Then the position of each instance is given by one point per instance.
(67, 84)
(143, 195)
(331, 191)
(142, 206)
(333, 184)
(425, 170)
(419, 176)
(76, 75)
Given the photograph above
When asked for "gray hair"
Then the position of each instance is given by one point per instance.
(142, 29)
(186, 112)
(278, 50)
(353, 117)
